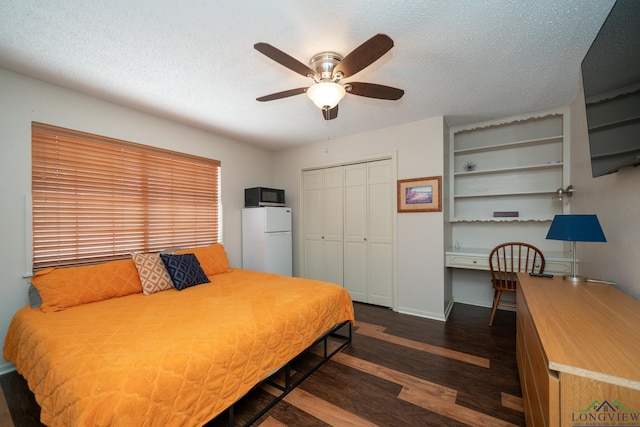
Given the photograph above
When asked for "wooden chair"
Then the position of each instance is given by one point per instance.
(505, 261)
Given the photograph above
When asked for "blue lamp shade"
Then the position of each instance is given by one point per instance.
(576, 228)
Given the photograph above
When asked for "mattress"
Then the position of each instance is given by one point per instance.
(174, 358)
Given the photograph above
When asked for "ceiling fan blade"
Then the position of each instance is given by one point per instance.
(371, 90)
(283, 94)
(330, 113)
(364, 55)
(283, 59)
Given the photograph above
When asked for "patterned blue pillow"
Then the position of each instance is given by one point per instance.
(184, 270)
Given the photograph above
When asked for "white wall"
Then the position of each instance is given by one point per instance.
(418, 147)
(24, 100)
(615, 199)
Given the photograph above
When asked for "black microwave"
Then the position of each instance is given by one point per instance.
(261, 196)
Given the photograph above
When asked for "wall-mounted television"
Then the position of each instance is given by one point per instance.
(611, 84)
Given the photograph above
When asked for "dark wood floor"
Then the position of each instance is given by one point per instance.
(399, 370)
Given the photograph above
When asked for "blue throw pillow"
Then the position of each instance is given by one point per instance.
(184, 270)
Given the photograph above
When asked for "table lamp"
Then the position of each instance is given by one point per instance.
(576, 228)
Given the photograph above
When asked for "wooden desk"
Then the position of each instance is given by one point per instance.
(478, 259)
(578, 351)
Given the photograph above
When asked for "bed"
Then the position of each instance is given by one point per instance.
(172, 357)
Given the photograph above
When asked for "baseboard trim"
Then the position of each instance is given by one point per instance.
(7, 367)
(447, 311)
(424, 314)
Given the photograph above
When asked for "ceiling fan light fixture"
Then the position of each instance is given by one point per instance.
(327, 69)
(326, 94)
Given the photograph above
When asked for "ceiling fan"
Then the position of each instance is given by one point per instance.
(327, 69)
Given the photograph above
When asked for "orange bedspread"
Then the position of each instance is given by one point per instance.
(174, 358)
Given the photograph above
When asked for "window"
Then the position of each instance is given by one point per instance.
(97, 199)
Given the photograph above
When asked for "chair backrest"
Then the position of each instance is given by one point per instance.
(507, 259)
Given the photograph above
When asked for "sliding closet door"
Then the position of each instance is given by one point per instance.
(323, 240)
(380, 192)
(356, 260)
(348, 229)
(368, 232)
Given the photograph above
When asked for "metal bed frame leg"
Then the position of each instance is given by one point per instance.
(230, 414)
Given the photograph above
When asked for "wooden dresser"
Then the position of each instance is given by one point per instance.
(578, 351)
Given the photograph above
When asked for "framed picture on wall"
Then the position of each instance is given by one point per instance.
(420, 194)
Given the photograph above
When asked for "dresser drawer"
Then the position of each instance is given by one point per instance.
(482, 263)
(540, 385)
(557, 267)
(545, 383)
(468, 261)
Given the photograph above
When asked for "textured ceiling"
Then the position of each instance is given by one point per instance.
(193, 60)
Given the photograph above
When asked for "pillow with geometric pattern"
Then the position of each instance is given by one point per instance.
(153, 273)
(184, 270)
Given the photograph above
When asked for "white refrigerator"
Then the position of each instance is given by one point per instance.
(266, 240)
